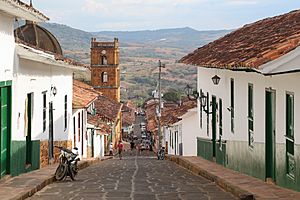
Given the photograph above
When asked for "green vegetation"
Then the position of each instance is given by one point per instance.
(139, 55)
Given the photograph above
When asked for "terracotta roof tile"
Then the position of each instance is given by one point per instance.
(98, 123)
(83, 94)
(252, 45)
(107, 108)
(170, 113)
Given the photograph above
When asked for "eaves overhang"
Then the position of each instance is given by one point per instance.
(22, 10)
(29, 53)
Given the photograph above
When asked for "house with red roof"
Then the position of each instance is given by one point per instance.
(247, 96)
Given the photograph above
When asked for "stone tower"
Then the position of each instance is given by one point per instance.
(105, 71)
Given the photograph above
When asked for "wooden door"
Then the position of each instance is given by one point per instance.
(51, 132)
(270, 135)
(4, 129)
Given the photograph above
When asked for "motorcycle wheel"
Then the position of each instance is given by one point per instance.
(72, 173)
(60, 172)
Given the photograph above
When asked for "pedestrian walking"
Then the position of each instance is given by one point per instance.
(131, 146)
(111, 149)
(120, 149)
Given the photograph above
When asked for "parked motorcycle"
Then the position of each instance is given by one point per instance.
(67, 163)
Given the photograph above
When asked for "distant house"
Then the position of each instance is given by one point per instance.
(98, 131)
(109, 111)
(171, 138)
(181, 136)
(83, 105)
(128, 118)
(248, 122)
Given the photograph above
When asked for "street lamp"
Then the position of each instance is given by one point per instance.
(195, 95)
(160, 65)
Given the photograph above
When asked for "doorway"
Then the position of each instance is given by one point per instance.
(5, 113)
(28, 129)
(270, 135)
(51, 145)
(214, 125)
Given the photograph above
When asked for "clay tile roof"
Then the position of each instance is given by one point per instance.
(98, 123)
(83, 94)
(252, 45)
(170, 113)
(107, 108)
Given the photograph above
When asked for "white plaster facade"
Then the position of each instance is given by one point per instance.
(7, 47)
(79, 134)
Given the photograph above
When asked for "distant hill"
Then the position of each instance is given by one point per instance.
(139, 52)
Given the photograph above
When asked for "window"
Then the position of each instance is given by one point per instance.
(103, 60)
(201, 110)
(44, 111)
(66, 112)
(104, 77)
(290, 159)
(207, 114)
(232, 105)
(250, 116)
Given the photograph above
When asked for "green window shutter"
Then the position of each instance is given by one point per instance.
(290, 146)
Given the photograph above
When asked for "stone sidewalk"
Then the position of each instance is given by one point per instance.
(240, 185)
(25, 185)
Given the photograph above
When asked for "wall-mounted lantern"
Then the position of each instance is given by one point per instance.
(194, 95)
(53, 90)
(216, 79)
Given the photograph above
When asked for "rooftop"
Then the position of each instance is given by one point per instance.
(83, 95)
(251, 46)
(107, 108)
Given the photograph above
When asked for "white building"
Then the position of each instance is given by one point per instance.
(83, 104)
(181, 137)
(36, 86)
(248, 122)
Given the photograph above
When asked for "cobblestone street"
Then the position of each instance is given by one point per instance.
(134, 177)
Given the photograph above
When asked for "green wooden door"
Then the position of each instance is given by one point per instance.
(214, 124)
(4, 128)
(270, 135)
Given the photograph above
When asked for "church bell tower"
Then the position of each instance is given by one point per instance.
(105, 71)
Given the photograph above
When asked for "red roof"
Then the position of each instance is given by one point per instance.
(83, 95)
(170, 113)
(252, 45)
(107, 108)
(98, 123)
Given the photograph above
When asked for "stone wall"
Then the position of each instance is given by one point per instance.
(44, 158)
(89, 151)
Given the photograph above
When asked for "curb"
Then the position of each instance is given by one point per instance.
(233, 189)
(51, 179)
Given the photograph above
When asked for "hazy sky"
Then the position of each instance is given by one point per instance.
(97, 15)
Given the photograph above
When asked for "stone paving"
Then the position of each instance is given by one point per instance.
(134, 177)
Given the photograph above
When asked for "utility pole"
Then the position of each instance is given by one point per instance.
(160, 65)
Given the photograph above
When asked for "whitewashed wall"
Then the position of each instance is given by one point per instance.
(7, 47)
(82, 151)
(171, 131)
(190, 131)
(98, 145)
(280, 83)
(35, 77)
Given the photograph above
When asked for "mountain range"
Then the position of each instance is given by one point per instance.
(139, 55)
